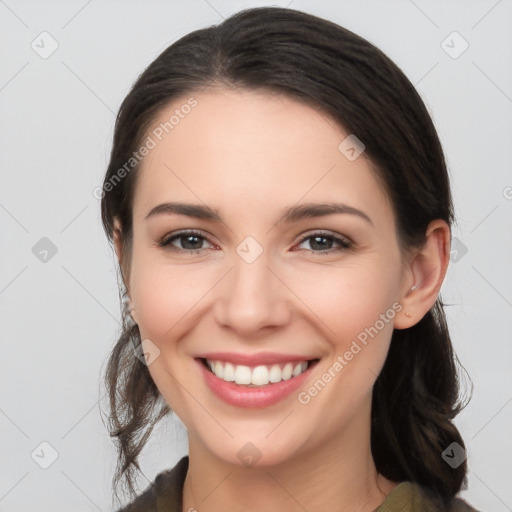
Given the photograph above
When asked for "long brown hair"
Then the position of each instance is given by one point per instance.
(416, 396)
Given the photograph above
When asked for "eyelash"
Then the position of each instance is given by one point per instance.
(344, 243)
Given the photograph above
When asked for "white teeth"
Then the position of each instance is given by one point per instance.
(242, 374)
(297, 370)
(218, 369)
(275, 373)
(257, 376)
(287, 371)
(229, 372)
(260, 376)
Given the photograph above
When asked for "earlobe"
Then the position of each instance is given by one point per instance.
(131, 310)
(426, 271)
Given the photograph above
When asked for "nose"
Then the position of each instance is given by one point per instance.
(252, 298)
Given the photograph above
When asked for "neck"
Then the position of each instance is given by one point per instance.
(339, 475)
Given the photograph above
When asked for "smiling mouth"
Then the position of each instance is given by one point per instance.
(257, 376)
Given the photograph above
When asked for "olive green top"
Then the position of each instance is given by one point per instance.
(165, 494)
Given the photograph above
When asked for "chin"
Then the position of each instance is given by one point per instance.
(254, 451)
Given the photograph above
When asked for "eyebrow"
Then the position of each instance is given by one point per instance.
(288, 215)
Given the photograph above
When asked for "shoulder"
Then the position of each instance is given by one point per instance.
(412, 497)
(164, 493)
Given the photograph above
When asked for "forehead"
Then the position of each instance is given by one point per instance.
(250, 147)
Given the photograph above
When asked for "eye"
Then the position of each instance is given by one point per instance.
(322, 243)
(191, 242)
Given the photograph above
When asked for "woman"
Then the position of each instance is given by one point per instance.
(280, 207)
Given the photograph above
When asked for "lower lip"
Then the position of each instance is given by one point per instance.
(261, 396)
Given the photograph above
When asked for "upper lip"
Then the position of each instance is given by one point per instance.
(260, 358)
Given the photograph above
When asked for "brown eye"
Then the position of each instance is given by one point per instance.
(321, 243)
(189, 241)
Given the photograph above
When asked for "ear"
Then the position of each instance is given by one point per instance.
(120, 252)
(119, 248)
(118, 241)
(424, 275)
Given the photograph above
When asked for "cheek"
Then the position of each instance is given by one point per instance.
(166, 296)
(355, 308)
(160, 300)
(350, 299)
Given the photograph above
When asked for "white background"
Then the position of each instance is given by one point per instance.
(59, 318)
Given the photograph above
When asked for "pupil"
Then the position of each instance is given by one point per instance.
(315, 241)
(197, 244)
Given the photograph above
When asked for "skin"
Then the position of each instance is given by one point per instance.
(249, 155)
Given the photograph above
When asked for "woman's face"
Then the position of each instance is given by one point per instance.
(262, 282)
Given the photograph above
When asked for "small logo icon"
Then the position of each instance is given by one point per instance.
(249, 249)
(454, 455)
(147, 352)
(351, 147)
(44, 455)
(454, 45)
(458, 250)
(44, 250)
(249, 454)
(44, 45)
